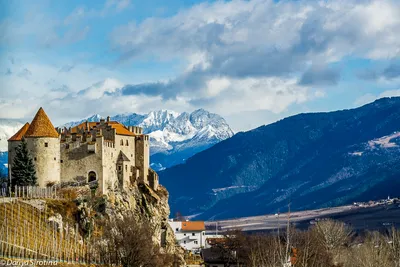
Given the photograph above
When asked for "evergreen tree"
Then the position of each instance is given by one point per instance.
(23, 170)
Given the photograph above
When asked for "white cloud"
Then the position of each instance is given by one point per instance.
(240, 56)
(324, 30)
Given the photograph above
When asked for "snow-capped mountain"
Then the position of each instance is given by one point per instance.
(7, 129)
(174, 136)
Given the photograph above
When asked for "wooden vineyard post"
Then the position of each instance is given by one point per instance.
(76, 232)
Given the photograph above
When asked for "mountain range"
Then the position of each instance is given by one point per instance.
(8, 128)
(174, 136)
(308, 160)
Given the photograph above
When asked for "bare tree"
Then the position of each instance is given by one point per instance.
(333, 234)
(128, 242)
(394, 244)
(374, 252)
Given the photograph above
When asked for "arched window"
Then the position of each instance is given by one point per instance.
(92, 176)
(122, 142)
(126, 143)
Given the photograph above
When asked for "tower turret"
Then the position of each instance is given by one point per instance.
(44, 145)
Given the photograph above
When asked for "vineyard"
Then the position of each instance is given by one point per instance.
(30, 230)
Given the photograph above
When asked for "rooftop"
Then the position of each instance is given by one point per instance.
(18, 136)
(41, 126)
(193, 226)
(119, 128)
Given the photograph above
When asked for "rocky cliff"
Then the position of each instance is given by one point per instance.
(80, 205)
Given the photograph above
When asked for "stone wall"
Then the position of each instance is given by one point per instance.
(110, 154)
(45, 152)
(143, 157)
(126, 144)
(12, 146)
(78, 161)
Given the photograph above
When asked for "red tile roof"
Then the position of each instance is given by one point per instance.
(83, 126)
(41, 126)
(18, 136)
(193, 226)
(119, 128)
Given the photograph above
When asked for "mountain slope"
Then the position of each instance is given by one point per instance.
(312, 160)
(174, 137)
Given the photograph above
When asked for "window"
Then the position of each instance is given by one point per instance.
(196, 242)
(67, 146)
(177, 229)
(122, 142)
(34, 158)
(126, 167)
(184, 242)
(61, 161)
(46, 144)
(127, 144)
(92, 176)
(184, 234)
(119, 167)
(193, 234)
(55, 159)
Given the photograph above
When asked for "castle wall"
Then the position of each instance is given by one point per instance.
(126, 144)
(110, 154)
(45, 152)
(12, 146)
(78, 159)
(142, 160)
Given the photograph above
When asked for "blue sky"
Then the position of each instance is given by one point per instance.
(252, 62)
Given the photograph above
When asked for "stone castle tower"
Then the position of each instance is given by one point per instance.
(43, 143)
(108, 153)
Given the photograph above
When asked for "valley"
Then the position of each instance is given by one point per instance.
(380, 215)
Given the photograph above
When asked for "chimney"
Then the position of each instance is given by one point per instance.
(87, 126)
(108, 118)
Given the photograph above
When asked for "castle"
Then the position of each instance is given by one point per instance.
(108, 152)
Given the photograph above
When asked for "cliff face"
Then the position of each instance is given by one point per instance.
(80, 205)
(146, 205)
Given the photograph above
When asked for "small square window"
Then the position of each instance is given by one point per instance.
(184, 234)
(184, 242)
(46, 144)
(177, 229)
(61, 161)
(55, 159)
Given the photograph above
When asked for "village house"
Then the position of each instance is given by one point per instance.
(189, 235)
